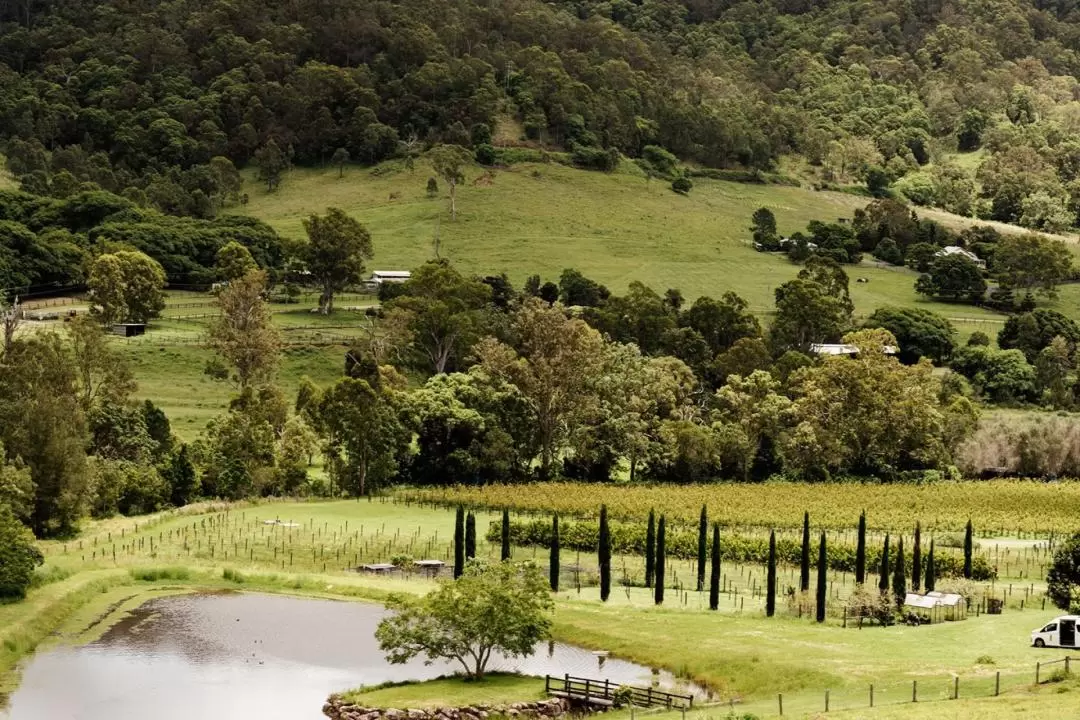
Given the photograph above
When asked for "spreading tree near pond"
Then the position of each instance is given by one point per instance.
(502, 608)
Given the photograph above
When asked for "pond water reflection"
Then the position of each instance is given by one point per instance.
(226, 656)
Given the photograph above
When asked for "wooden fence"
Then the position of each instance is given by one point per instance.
(607, 693)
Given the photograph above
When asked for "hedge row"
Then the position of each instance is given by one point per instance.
(681, 542)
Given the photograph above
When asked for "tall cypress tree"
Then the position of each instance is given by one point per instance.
(804, 563)
(714, 574)
(968, 546)
(770, 588)
(899, 578)
(470, 536)
(883, 583)
(459, 542)
(604, 554)
(553, 561)
(916, 559)
(931, 571)
(702, 547)
(505, 554)
(860, 551)
(661, 551)
(650, 549)
(822, 579)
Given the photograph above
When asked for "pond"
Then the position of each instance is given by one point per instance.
(244, 656)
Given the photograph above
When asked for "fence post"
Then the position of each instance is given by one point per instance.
(1066, 664)
(914, 691)
(871, 694)
(1037, 673)
(956, 687)
(780, 699)
(826, 701)
(997, 683)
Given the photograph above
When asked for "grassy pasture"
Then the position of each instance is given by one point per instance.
(737, 652)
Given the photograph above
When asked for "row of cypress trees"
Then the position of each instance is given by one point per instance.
(891, 572)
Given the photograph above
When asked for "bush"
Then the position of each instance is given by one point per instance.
(682, 185)
(485, 154)
(18, 555)
(161, 573)
(594, 158)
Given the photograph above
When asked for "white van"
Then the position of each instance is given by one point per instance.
(1060, 632)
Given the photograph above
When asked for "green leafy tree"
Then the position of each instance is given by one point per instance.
(16, 487)
(553, 559)
(604, 554)
(126, 286)
(807, 313)
(1032, 262)
(721, 323)
(952, 277)
(180, 474)
(18, 556)
(336, 250)
(445, 314)
(340, 159)
(103, 374)
(1033, 331)
(449, 162)
(770, 582)
(822, 579)
(763, 229)
(42, 422)
(918, 332)
(243, 333)
(1053, 368)
(233, 261)
(272, 163)
(502, 608)
(364, 435)
(714, 572)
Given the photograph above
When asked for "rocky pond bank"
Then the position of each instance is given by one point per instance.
(338, 709)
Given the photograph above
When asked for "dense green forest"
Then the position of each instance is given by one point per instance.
(162, 101)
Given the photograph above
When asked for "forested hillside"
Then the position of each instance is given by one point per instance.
(162, 101)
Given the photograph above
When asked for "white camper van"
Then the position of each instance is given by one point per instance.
(1059, 632)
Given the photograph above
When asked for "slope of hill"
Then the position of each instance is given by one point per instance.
(615, 227)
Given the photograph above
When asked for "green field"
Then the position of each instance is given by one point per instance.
(495, 689)
(615, 227)
(737, 652)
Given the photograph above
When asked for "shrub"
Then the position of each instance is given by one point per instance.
(18, 555)
(682, 185)
(485, 154)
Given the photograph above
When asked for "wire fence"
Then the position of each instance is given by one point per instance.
(982, 684)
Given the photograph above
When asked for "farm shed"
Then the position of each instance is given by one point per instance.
(129, 329)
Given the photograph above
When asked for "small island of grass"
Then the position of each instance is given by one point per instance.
(449, 691)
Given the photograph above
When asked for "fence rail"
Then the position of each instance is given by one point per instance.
(605, 692)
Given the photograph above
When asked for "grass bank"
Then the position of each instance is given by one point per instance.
(452, 691)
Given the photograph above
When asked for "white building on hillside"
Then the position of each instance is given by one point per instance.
(957, 250)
